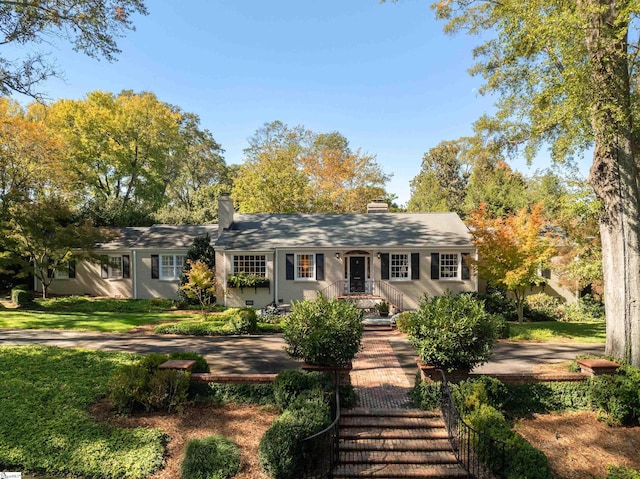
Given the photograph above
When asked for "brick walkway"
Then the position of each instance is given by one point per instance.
(377, 376)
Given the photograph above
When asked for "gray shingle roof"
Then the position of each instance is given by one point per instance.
(268, 231)
(159, 236)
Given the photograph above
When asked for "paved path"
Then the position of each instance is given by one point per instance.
(265, 353)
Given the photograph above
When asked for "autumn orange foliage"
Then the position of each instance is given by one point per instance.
(512, 250)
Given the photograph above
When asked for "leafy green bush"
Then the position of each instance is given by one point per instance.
(261, 394)
(22, 297)
(85, 304)
(323, 332)
(243, 321)
(214, 457)
(618, 396)
(622, 472)
(289, 385)
(425, 395)
(521, 458)
(143, 386)
(453, 332)
(471, 394)
(201, 365)
(531, 398)
(496, 302)
(281, 454)
(403, 321)
(542, 307)
(586, 309)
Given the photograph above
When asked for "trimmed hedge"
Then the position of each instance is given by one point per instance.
(289, 385)
(261, 394)
(214, 457)
(21, 296)
(618, 396)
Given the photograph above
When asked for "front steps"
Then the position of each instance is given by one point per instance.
(394, 444)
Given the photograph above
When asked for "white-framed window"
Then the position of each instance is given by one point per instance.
(171, 266)
(305, 267)
(61, 273)
(250, 264)
(449, 266)
(400, 266)
(115, 267)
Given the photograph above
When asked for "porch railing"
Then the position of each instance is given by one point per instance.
(320, 451)
(382, 289)
(478, 453)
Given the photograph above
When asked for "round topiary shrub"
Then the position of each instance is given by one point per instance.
(323, 332)
(244, 321)
(214, 457)
(453, 332)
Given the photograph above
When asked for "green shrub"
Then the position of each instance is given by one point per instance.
(403, 321)
(22, 297)
(496, 302)
(244, 321)
(425, 395)
(143, 386)
(542, 307)
(289, 385)
(193, 328)
(201, 365)
(281, 454)
(622, 472)
(261, 394)
(522, 460)
(618, 396)
(453, 332)
(586, 309)
(471, 394)
(214, 457)
(523, 399)
(323, 332)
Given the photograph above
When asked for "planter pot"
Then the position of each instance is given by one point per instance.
(384, 315)
(432, 373)
(340, 374)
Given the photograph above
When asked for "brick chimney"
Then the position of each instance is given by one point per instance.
(225, 212)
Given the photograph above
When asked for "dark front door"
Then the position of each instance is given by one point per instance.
(356, 279)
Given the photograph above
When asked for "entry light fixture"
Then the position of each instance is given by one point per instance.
(337, 255)
(378, 254)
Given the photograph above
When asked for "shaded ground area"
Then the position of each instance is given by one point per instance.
(578, 446)
(243, 424)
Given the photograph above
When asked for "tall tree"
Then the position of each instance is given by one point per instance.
(124, 150)
(341, 180)
(513, 250)
(443, 179)
(92, 27)
(566, 73)
(271, 180)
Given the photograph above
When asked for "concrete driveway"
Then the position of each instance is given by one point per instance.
(265, 353)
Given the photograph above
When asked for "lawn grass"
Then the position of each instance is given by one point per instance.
(44, 423)
(583, 332)
(102, 321)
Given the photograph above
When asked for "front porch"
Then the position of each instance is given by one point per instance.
(368, 293)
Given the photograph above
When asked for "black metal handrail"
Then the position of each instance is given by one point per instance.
(478, 453)
(320, 451)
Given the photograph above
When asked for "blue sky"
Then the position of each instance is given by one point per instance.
(383, 75)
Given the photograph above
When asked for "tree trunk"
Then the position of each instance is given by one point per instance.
(614, 176)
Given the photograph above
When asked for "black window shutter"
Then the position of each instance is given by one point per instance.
(320, 267)
(126, 266)
(104, 267)
(50, 272)
(546, 273)
(466, 271)
(290, 266)
(384, 266)
(155, 266)
(72, 268)
(415, 265)
(435, 265)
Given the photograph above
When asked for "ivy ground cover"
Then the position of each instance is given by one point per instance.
(44, 423)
